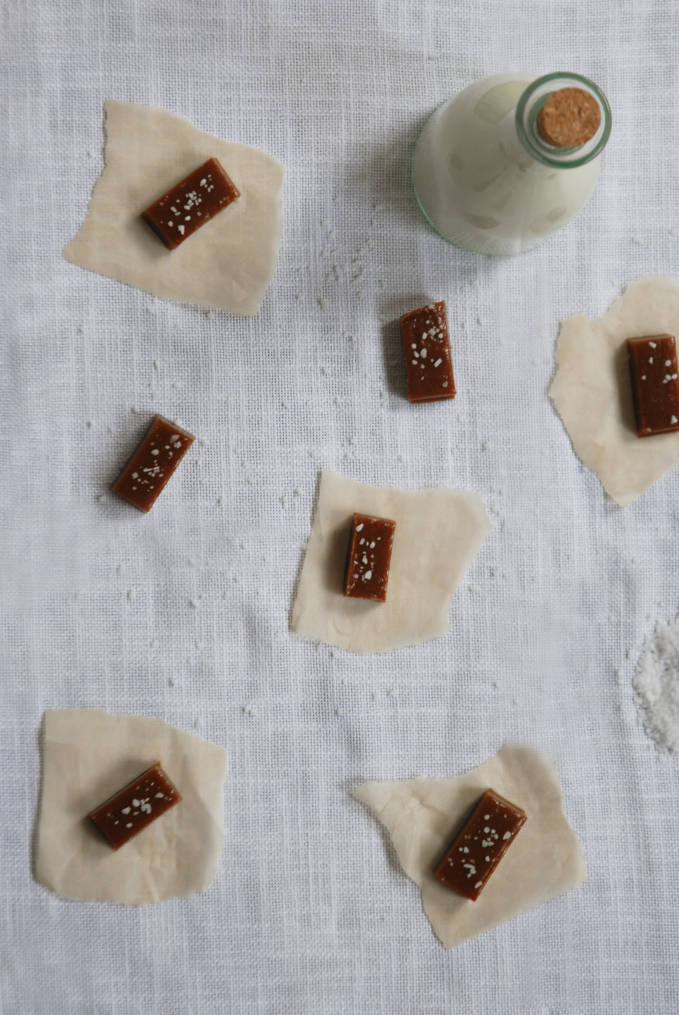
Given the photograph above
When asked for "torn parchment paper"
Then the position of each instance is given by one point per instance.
(229, 262)
(438, 534)
(423, 816)
(592, 391)
(87, 756)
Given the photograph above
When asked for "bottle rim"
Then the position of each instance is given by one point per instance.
(531, 102)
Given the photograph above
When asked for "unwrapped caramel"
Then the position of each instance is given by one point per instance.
(478, 849)
(132, 809)
(191, 203)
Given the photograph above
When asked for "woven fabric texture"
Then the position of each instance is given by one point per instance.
(184, 613)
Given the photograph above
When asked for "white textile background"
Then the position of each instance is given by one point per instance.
(184, 613)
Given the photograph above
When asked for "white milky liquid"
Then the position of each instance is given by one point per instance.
(478, 185)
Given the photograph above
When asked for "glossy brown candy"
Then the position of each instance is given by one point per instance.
(426, 347)
(152, 464)
(135, 806)
(191, 203)
(369, 557)
(479, 847)
(655, 384)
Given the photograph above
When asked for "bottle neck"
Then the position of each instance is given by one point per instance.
(529, 106)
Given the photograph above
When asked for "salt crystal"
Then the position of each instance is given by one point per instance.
(657, 685)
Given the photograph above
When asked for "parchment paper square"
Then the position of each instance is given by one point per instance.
(592, 391)
(229, 262)
(422, 816)
(87, 756)
(438, 533)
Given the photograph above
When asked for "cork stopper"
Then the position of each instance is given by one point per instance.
(569, 118)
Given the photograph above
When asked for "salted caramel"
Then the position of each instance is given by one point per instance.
(426, 348)
(487, 835)
(134, 807)
(149, 469)
(369, 557)
(655, 383)
(191, 203)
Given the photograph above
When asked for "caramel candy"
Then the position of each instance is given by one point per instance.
(369, 557)
(152, 464)
(135, 806)
(478, 849)
(569, 118)
(655, 385)
(191, 203)
(426, 348)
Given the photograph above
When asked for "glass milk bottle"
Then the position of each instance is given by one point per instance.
(510, 159)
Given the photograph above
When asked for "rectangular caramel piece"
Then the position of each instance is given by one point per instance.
(152, 464)
(478, 849)
(191, 203)
(135, 806)
(369, 557)
(426, 347)
(655, 385)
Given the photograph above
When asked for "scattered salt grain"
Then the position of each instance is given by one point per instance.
(657, 684)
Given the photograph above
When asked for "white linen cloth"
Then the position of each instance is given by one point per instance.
(183, 613)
